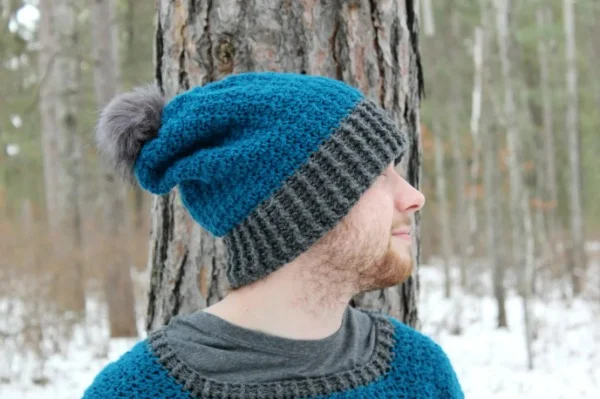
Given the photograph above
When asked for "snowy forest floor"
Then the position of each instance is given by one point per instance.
(490, 363)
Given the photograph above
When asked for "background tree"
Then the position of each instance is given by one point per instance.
(117, 279)
(59, 103)
(523, 250)
(577, 261)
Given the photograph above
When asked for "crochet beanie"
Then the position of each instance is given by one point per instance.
(269, 161)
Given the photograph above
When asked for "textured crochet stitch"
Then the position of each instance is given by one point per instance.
(405, 364)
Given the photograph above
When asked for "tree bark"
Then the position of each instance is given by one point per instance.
(117, 278)
(370, 45)
(577, 259)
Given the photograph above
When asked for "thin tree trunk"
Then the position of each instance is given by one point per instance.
(491, 177)
(594, 55)
(460, 179)
(444, 216)
(372, 46)
(117, 277)
(523, 244)
(454, 115)
(532, 118)
(71, 283)
(577, 261)
(47, 73)
(593, 48)
(492, 208)
(549, 150)
(475, 128)
(477, 84)
(428, 20)
(550, 179)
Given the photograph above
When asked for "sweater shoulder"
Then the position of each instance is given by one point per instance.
(422, 359)
(136, 374)
(413, 340)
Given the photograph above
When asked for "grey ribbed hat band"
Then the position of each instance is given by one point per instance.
(313, 200)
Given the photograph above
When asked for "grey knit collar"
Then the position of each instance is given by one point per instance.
(361, 375)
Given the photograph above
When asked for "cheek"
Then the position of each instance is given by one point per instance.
(383, 213)
(373, 216)
(380, 223)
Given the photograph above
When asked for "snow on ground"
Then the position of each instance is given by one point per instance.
(490, 363)
(67, 374)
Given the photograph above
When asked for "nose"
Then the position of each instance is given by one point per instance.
(408, 198)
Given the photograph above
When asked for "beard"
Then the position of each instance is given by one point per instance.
(362, 262)
(388, 270)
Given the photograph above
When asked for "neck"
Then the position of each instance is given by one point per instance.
(294, 302)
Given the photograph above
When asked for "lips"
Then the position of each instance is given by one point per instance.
(403, 234)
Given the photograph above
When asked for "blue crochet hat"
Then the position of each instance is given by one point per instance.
(269, 161)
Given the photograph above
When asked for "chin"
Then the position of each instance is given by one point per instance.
(393, 269)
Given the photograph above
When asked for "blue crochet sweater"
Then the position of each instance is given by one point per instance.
(405, 364)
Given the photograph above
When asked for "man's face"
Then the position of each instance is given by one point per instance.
(371, 247)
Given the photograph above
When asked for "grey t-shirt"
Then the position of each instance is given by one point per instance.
(226, 352)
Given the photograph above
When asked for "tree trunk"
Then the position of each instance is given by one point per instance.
(593, 50)
(65, 90)
(491, 173)
(478, 47)
(454, 115)
(370, 45)
(47, 73)
(551, 179)
(547, 169)
(492, 183)
(444, 216)
(117, 277)
(577, 259)
(492, 179)
(428, 20)
(519, 197)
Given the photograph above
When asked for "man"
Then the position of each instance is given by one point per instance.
(297, 174)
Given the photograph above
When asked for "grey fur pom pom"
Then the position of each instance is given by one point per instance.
(126, 124)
